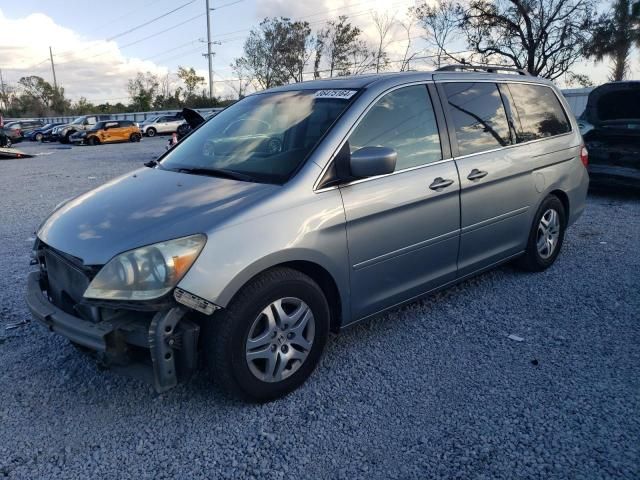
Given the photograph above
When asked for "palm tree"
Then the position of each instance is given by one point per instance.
(614, 36)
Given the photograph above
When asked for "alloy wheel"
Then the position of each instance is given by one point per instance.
(548, 233)
(280, 339)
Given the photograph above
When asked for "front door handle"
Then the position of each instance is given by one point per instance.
(476, 174)
(440, 183)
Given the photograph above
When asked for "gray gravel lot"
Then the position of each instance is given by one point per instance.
(432, 390)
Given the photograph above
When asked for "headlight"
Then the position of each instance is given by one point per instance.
(148, 272)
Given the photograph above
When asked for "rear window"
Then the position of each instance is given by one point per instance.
(478, 115)
(538, 112)
(619, 105)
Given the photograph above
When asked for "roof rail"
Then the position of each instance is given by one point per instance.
(481, 68)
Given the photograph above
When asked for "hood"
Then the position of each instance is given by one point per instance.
(144, 207)
(614, 103)
(193, 118)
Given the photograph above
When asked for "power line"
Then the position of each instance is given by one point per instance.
(137, 27)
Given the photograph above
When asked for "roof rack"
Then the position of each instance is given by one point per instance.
(481, 68)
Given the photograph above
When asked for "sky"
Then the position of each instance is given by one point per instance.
(95, 53)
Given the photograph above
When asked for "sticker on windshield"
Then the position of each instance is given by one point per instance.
(346, 94)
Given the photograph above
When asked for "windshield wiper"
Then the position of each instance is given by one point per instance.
(216, 172)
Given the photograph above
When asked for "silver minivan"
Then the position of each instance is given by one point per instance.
(302, 210)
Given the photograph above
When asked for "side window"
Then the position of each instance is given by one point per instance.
(539, 112)
(478, 116)
(403, 120)
(111, 125)
(90, 121)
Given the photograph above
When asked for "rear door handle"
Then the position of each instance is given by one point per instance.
(476, 174)
(440, 183)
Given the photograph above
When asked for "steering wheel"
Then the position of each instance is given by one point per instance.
(208, 149)
(274, 145)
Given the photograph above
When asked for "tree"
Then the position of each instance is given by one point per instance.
(441, 23)
(143, 90)
(297, 49)
(544, 37)
(340, 45)
(407, 25)
(191, 81)
(614, 35)
(383, 23)
(277, 51)
(243, 77)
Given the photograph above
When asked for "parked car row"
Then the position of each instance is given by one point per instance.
(92, 129)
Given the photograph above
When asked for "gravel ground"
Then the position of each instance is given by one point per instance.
(432, 390)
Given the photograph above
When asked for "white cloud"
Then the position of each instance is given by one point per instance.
(95, 69)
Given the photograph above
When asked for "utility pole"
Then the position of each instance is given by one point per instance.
(53, 69)
(2, 92)
(209, 52)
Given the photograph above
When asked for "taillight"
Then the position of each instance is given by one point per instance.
(584, 155)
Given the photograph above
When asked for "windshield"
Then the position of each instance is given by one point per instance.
(264, 137)
(77, 121)
(150, 120)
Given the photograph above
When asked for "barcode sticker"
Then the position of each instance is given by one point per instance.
(346, 94)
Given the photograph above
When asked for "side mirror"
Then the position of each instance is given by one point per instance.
(373, 161)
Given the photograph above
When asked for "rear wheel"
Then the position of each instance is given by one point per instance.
(546, 236)
(151, 132)
(270, 338)
(8, 143)
(39, 137)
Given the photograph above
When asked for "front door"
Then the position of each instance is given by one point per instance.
(402, 228)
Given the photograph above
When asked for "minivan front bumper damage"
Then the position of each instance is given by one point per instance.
(159, 347)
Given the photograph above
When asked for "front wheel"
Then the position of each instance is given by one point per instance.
(546, 236)
(8, 143)
(270, 338)
(39, 137)
(151, 132)
(134, 137)
(93, 141)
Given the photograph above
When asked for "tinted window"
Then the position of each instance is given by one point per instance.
(126, 123)
(402, 120)
(539, 112)
(478, 116)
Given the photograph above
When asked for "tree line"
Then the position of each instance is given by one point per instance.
(547, 38)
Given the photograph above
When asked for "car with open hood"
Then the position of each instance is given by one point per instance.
(305, 209)
(610, 126)
(63, 133)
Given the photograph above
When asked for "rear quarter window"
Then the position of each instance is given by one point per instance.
(538, 112)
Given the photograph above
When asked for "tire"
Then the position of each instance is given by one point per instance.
(39, 137)
(541, 252)
(65, 139)
(151, 132)
(227, 335)
(134, 137)
(93, 141)
(8, 143)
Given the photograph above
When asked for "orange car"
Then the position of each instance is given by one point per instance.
(109, 131)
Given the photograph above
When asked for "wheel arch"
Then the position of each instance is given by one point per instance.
(317, 273)
(564, 199)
